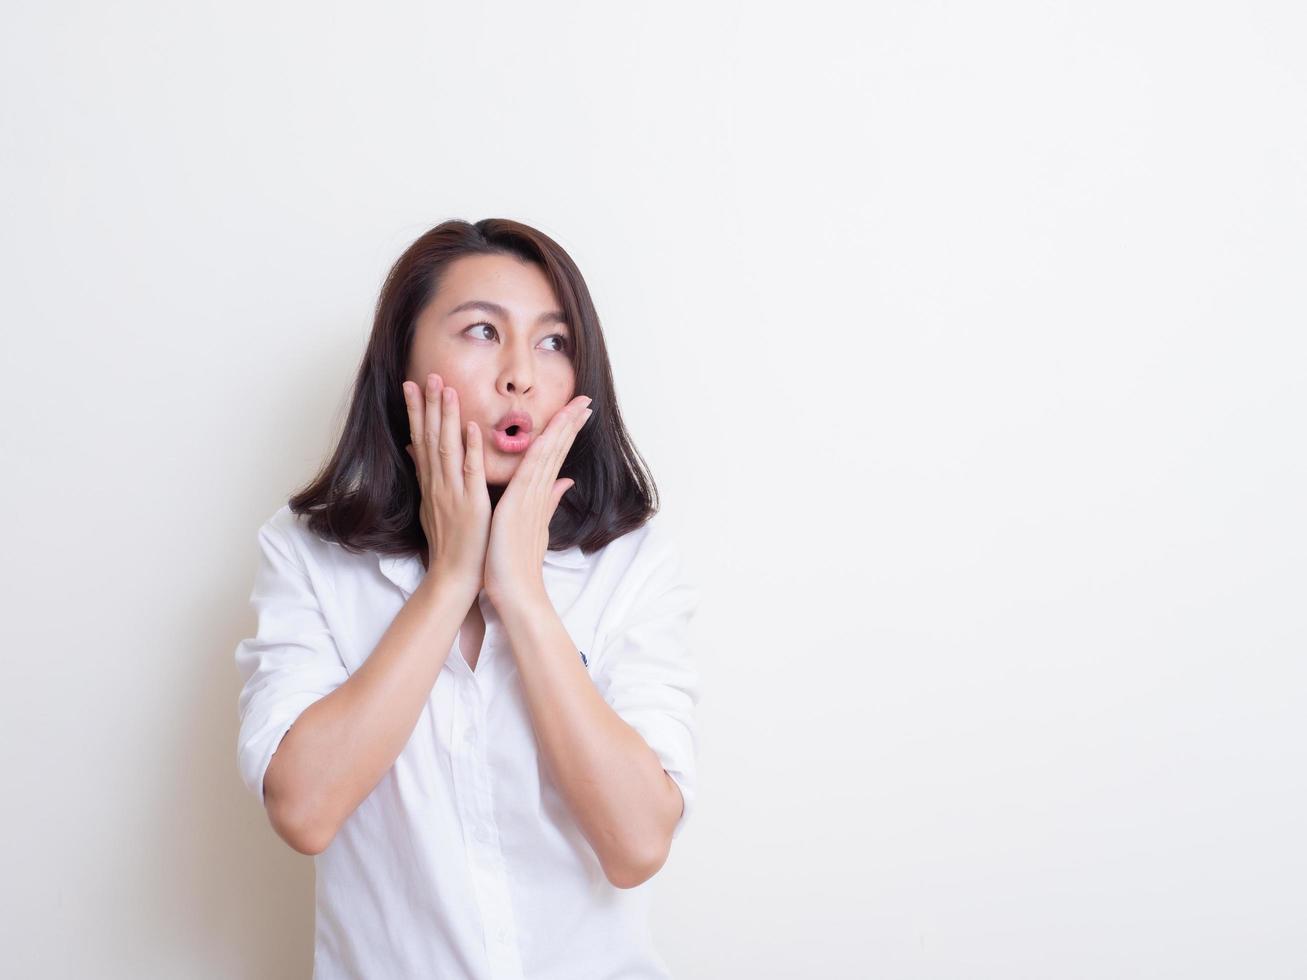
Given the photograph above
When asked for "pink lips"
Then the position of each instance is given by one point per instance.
(518, 442)
(511, 444)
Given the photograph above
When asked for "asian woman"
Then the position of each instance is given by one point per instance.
(471, 695)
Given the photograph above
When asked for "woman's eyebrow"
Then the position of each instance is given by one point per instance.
(553, 316)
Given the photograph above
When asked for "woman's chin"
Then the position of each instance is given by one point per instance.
(500, 471)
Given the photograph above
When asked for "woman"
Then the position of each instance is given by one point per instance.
(470, 695)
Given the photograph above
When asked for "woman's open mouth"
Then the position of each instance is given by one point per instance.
(512, 433)
(511, 440)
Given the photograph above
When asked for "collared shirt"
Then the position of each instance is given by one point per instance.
(465, 861)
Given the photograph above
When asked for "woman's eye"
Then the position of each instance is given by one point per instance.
(561, 338)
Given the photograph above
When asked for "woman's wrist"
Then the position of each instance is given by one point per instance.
(438, 590)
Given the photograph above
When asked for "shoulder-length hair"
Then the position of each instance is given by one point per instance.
(367, 496)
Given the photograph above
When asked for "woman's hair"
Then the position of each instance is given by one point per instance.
(366, 497)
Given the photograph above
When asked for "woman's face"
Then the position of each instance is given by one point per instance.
(511, 353)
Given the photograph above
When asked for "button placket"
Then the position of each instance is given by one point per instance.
(476, 808)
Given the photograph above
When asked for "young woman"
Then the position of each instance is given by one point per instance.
(470, 695)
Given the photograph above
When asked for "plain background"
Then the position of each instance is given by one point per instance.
(965, 342)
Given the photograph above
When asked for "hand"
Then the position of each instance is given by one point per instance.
(455, 508)
(519, 527)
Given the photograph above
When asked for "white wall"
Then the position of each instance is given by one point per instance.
(965, 342)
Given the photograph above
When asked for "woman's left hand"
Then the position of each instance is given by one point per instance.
(519, 526)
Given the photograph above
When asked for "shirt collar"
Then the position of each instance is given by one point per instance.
(406, 571)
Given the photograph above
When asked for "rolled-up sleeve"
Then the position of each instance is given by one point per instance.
(291, 662)
(647, 673)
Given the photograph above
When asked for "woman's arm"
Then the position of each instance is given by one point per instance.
(339, 748)
(615, 786)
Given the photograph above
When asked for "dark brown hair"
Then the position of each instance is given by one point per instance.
(366, 496)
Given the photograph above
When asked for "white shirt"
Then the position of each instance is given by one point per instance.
(464, 861)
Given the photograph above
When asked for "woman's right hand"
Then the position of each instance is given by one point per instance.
(455, 508)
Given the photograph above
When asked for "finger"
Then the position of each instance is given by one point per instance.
(574, 416)
(534, 468)
(474, 461)
(413, 404)
(569, 440)
(557, 440)
(451, 440)
(560, 487)
(431, 429)
(540, 463)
